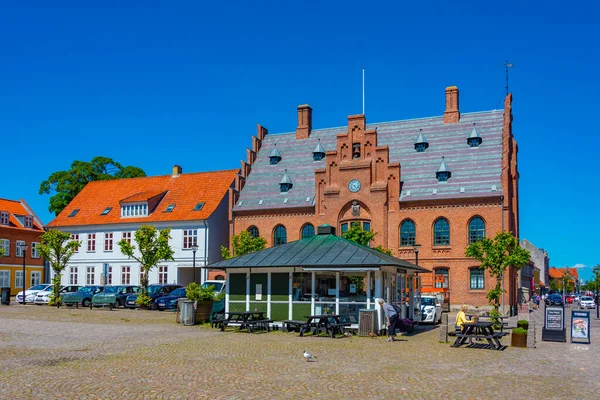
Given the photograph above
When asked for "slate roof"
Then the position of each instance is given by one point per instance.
(184, 191)
(17, 209)
(476, 169)
(327, 251)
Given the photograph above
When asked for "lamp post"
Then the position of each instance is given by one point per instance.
(194, 250)
(24, 250)
(416, 247)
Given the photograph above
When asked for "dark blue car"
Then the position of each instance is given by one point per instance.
(154, 291)
(169, 302)
(554, 300)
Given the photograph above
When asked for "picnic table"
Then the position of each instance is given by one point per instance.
(249, 320)
(480, 330)
(324, 323)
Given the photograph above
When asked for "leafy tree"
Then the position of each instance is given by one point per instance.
(554, 286)
(242, 244)
(67, 184)
(596, 272)
(357, 234)
(152, 249)
(58, 248)
(1, 251)
(383, 250)
(496, 255)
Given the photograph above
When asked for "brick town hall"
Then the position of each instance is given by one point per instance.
(440, 182)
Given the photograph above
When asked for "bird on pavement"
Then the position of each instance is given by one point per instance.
(372, 334)
(309, 357)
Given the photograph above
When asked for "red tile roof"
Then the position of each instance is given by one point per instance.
(558, 273)
(184, 191)
(19, 208)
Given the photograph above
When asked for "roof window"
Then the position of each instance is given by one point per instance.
(199, 206)
(170, 208)
(443, 173)
(73, 213)
(275, 156)
(318, 152)
(474, 140)
(421, 143)
(106, 211)
(286, 183)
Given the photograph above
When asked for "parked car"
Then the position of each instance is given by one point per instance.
(169, 302)
(587, 302)
(31, 293)
(219, 286)
(114, 296)
(81, 297)
(43, 297)
(154, 291)
(554, 300)
(569, 298)
(431, 310)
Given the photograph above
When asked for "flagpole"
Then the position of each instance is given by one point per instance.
(363, 91)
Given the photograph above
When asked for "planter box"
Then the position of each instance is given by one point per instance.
(202, 310)
(518, 340)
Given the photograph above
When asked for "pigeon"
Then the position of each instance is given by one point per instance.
(309, 356)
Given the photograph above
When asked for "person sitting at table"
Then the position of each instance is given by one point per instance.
(391, 316)
(461, 320)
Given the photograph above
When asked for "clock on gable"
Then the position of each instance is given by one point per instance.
(354, 185)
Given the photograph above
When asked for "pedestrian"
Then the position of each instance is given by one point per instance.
(391, 316)
(461, 320)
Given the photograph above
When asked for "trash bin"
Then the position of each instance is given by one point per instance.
(5, 295)
(187, 313)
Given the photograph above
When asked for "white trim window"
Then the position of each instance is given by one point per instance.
(35, 251)
(28, 221)
(35, 278)
(126, 236)
(18, 279)
(73, 276)
(163, 274)
(19, 249)
(90, 275)
(4, 219)
(5, 244)
(190, 238)
(5, 278)
(108, 241)
(125, 275)
(134, 210)
(141, 275)
(109, 277)
(91, 242)
(75, 237)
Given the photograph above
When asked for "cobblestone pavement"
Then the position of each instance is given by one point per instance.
(49, 353)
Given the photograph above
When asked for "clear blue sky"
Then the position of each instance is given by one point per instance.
(152, 84)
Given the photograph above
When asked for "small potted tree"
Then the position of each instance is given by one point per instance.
(203, 298)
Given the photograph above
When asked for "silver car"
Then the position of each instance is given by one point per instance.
(587, 302)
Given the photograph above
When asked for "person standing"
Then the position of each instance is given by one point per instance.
(391, 317)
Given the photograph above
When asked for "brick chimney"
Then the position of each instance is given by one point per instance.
(177, 170)
(452, 113)
(304, 122)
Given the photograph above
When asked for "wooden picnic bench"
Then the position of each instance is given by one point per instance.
(481, 331)
(249, 320)
(292, 325)
(324, 323)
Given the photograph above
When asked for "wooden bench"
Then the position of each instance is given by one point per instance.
(259, 323)
(292, 325)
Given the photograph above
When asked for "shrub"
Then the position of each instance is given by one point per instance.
(519, 331)
(196, 292)
(523, 323)
(143, 300)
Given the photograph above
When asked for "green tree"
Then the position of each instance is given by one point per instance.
(496, 255)
(152, 248)
(67, 184)
(242, 244)
(357, 234)
(554, 286)
(596, 272)
(57, 248)
(1, 251)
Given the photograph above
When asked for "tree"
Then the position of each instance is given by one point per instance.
(554, 286)
(496, 255)
(596, 272)
(67, 184)
(1, 251)
(152, 249)
(57, 248)
(357, 234)
(242, 244)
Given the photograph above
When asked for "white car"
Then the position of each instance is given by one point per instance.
(431, 310)
(31, 293)
(43, 297)
(587, 302)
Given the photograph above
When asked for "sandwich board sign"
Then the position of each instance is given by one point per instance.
(554, 325)
(580, 327)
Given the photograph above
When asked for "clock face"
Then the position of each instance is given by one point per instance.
(354, 185)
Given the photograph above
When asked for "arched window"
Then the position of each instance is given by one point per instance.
(407, 233)
(476, 229)
(441, 232)
(279, 235)
(253, 231)
(442, 278)
(308, 230)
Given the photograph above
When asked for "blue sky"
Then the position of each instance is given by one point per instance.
(153, 84)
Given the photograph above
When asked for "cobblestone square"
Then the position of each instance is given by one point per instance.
(49, 353)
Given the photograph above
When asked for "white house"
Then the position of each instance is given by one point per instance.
(195, 206)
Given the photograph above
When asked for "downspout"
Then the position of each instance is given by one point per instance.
(205, 251)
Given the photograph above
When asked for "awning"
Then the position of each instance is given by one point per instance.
(347, 269)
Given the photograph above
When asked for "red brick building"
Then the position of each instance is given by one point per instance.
(20, 226)
(439, 182)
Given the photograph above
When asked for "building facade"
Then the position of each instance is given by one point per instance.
(439, 182)
(19, 227)
(194, 206)
(540, 259)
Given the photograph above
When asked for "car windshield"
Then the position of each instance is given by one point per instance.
(38, 287)
(586, 298)
(427, 301)
(178, 292)
(112, 289)
(217, 285)
(154, 289)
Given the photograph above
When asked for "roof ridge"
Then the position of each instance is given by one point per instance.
(14, 201)
(167, 175)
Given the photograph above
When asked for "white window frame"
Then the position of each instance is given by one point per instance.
(142, 275)
(109, 277)
(125, 275)
(4, 218)
(73, 276)
(5, 278)
(163, 274)
(75, 237)
(91, 242)
(35, 252)
(28, 221)
(108, 241)
(19, 248)
(18, 279)
(90, 274)
(134, 210)
(190, 238)
(35, 278)
(126, 236)
(5, 243)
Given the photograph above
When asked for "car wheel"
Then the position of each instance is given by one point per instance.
(86, 302)
(117, 304)
(154, 306)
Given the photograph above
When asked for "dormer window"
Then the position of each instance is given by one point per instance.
(134, 210)
(443, 173)
(286, 183)
(318, 152)
(28, 221)
(474, 140)
(275, 156)
(355, 150)
(421, 143)
(4, 218)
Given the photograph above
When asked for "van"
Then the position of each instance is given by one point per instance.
(219, 286)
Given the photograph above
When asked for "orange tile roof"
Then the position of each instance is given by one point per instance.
(558, 273)
(15, 207)
(184, 191)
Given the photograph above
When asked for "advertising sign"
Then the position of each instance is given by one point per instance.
(580, 326)
(554, 318)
